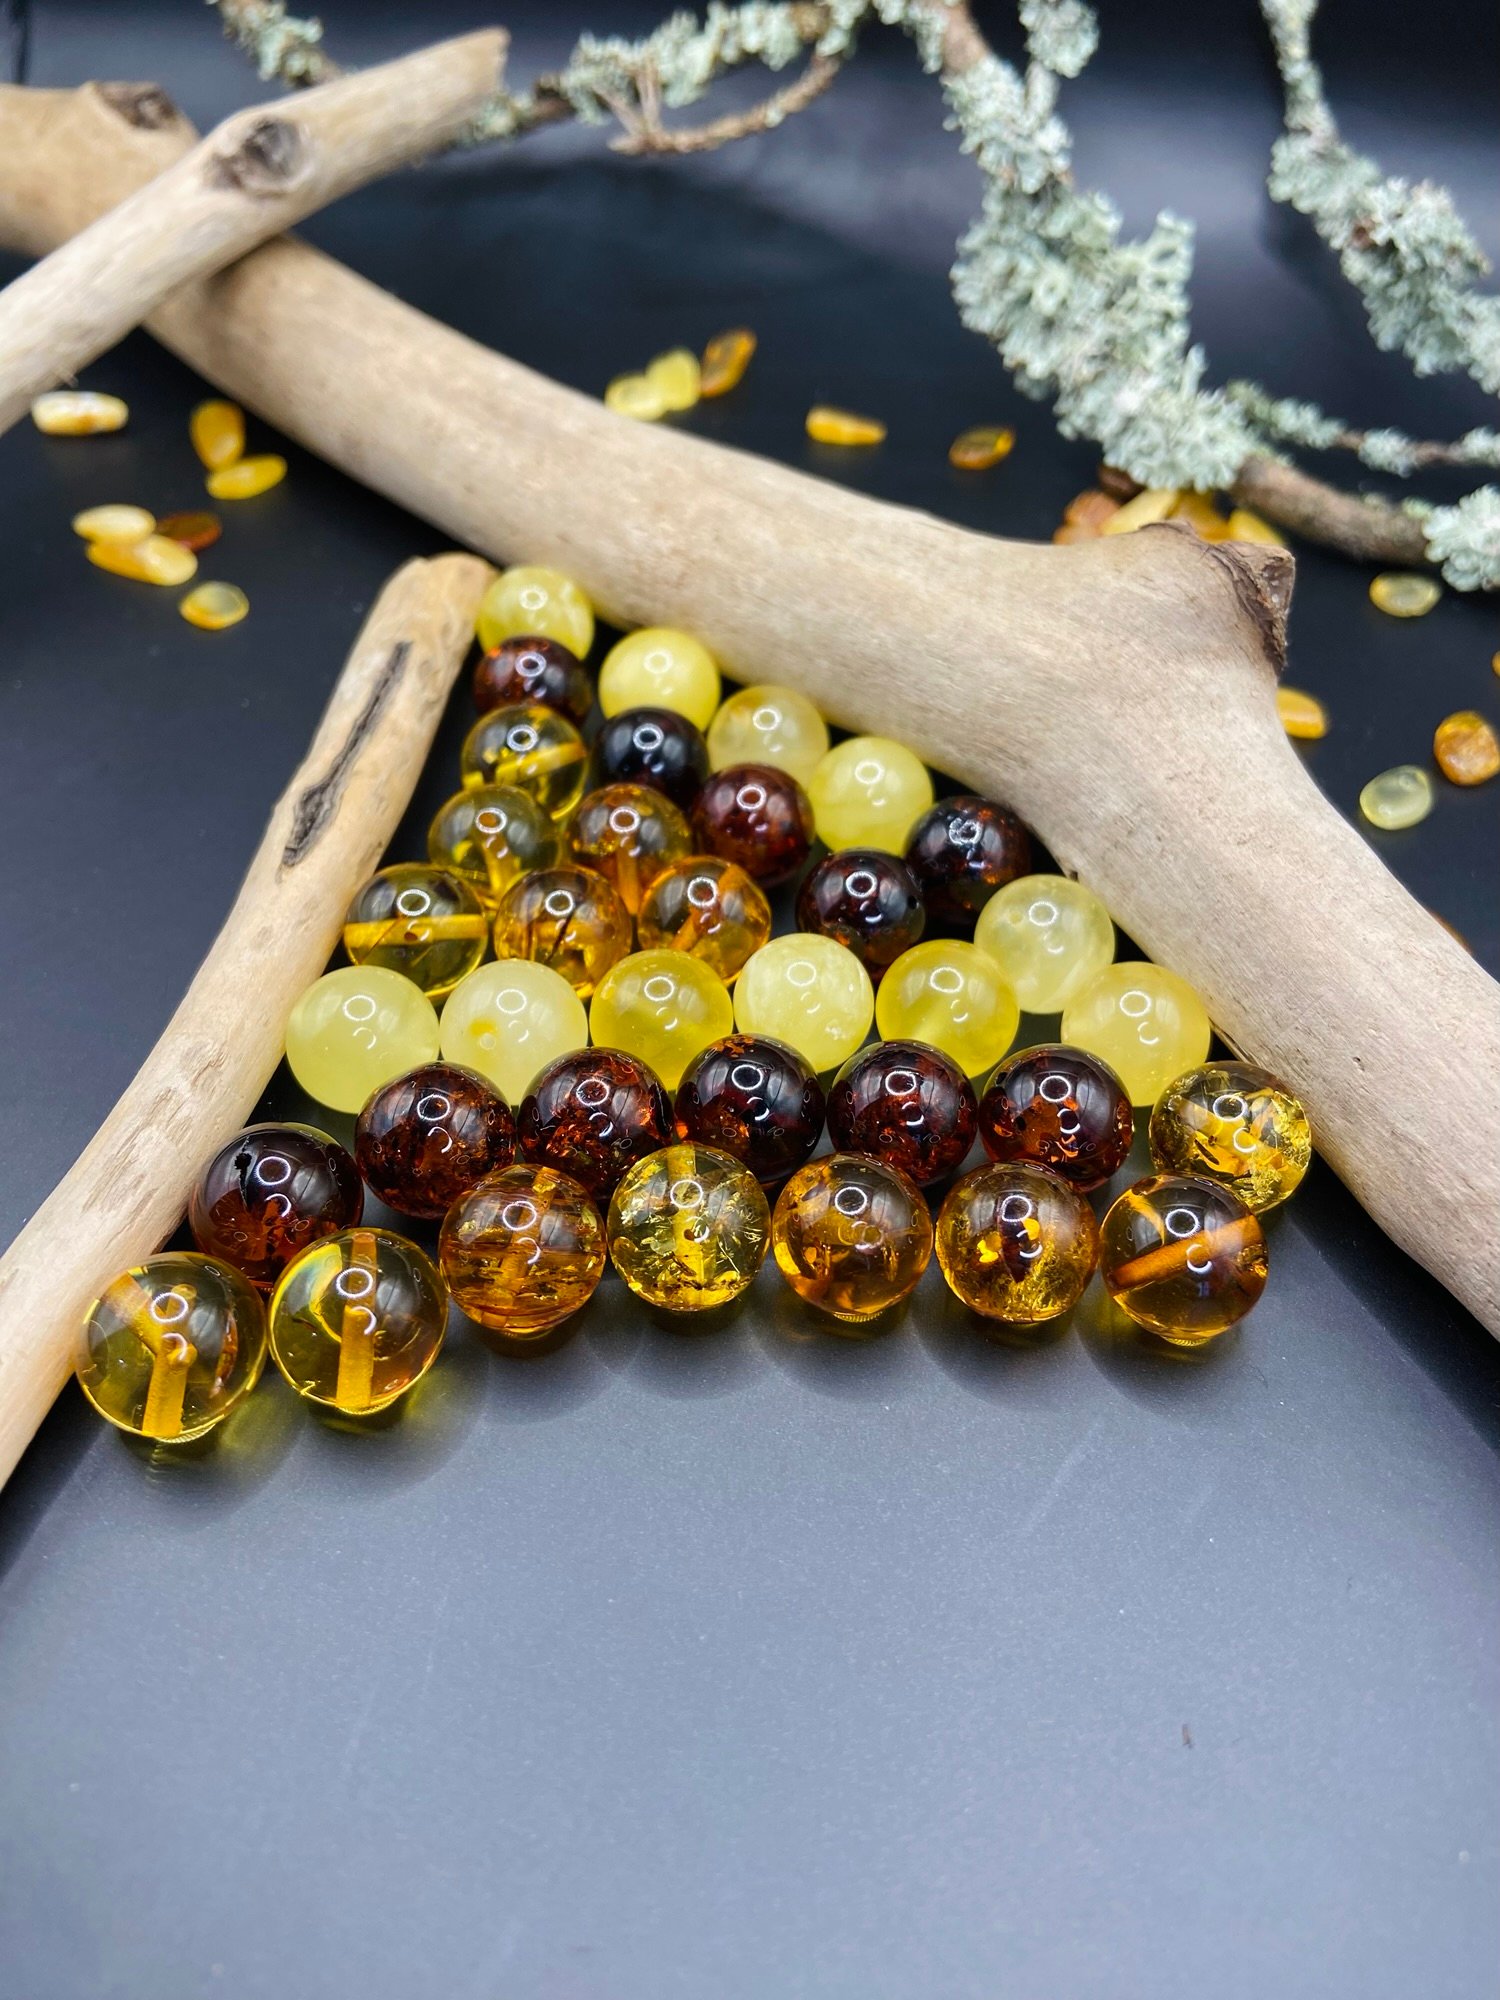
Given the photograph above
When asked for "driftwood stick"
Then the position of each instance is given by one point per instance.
(127, 1191)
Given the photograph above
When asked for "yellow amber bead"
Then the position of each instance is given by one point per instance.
(868, 792)
(1048, 935)
(725, 360)
(1148, 1025)
(114, 523)
(709, 908)
(1466, 748)
(217, 430)
(1243, 526)
(509, 1019)
(768, 725)
(490, 834)
(1183, 1257)
(952, 995)
(827, 426)
(355, 1029)
(171, 1346)
(851, 1235)
(247, 478)
(533, 749)
(810, 992)
(688, 1228)
(1302, 715)
(635, 396)
(155, 560)
(1201, 515)
(662, 1007)
(529, 602)
(629, 833)
(676, 378)
(1397, 798)
(569, 918)
(1154, 504)
(1234, 1124)
(357, 1320)
(419, 921)
(660, 667)
(78, 413)
(1400, 594)
(985, 445)
(212, 607)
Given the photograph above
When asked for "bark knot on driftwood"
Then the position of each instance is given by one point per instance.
(319, 801)
(144, 105)
(265, 160)
(1261, 578)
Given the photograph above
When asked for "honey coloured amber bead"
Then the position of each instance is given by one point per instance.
(487, 835)
(426, 1138)
(507, 1020)
(419, 921)
(655, 747)
(758, 817)
(195, 528)
(951, 994)
(1061, 1108)
(1183, 1257)
(826, 425)
(217, 431)
(247, 478)
(662, 1007)
(154, 560)
(906, 1104)
(725, 360)
(358, 1320)
(356, 1028)
(1233, 1123)
(78, 413)
(708, 908)
(1144, 1021)
(568, 918)
(1398, 798)
(533, 669)
(688, 1228)
(851, 1235)
(115, 521)
(756, 1098)
(1049, 936)
(961, 851)
(807, 991)
(628, 834)
(1302, 715)
(522, 1251)
(535, 602)
(268, 1193)
(1466, 748)
(635, 396)
(533, 749)
(214, 607)
(592, 1115)
(869, 792)
(866, 901)
(1016, 1243)
(660, 667)
(171, 1346)
(767, 724)
(676, 378)
(1402, 594)
(982, 446)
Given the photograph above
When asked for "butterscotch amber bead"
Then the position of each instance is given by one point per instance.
(951, 994)
(522, 1251)
(767, 724)
(1233, 1123)
(663, 1007)
(114, 522)
(214, 607)
(568, 918)
(709, 908)
(217, 430)
(154, 560)
(593, 1114)
(1145, 1022)
(247, 478)
(635, 396)
(688, 1228)
(78, 413)
(725, 360)
(851, 1236)
(842, 427)
(533, 600)
(1016, 1243)
(676, 378)
(1183, 1257)
(1302, 715)
(629, 834)
(1466, 748)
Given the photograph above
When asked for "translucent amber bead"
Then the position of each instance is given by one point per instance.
(1061, 1108)
(171, 1346)
(663, 1007)
(247, 478)
(769, 725)
(629, 833)
(868, 792)
(676, 378)
(212, 607)
(708, 908)
(522, 1251)
(532, 748)
(217, 430)
(425, 1139)
(155, 560)
(866, 900)
(808, 992)
(419, 921)
(355, 1029)
(755, 1098)
(1048, 935)
(593, 1115)
(1232, 1123)
(1397, 798)
(635, 396)
(1016, 1244)
(951, 994)
(985, 445)
(907, 1104)
(659, 667)
(508, 1019)
(1400, 594)
(1244, 526)
(195, 529)
(357, 1320)
(851, 1235)
(758, 817)
(725, 360)
(568, 918)
(530, 600)
(1302, 715)
(490, 834)
(829, 426)
(270, 1192)
(1201, 515)
(688, 1228)
(655, 747)
(1146, 1023)
(114, 522)
(1155, 503)
(1184, 1257)
(533, 669)
(1466, 748)
(78, 413)
(961, 851)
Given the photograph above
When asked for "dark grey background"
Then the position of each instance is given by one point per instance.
(757, 1663)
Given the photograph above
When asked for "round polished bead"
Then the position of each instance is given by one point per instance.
(947, 992)
(568, 918)
(592, 1115)
(532, 748)
(688, 1228)
(533, 669)
(629, 834)
(171, 1346)
(1016, 1244)
(506, 1020)
(851, 1235)
(652, 746)
(961, 851)
(354, 1029)
(865, 900)
(419, 921)
(1049, 936)
(270, 1191)
(1148, 1025)
(490, 834)
(532, 602)
(755, 1098)
(869, 792)
(708, 908)
(663, 1007)
(1183, 1257)
(906, 1104)
(767, 724)
(659, 667)
(425, 1139)
(807, 991)
(358, 1320)
(522, 1251)
(1061, 1108)
(1233, 1123)
(758, 817)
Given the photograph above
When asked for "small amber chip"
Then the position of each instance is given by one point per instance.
(1401, 594)
(212, 606)
(675, 377)
(113, 522)
(1154, 504)
(196, 529)
(1302, 714)
(1245, 526)
(725, 360)
(1397, 798)
(984, 445)
(635, 396)
(153, 560)
(1200, 513)
(78, 413)
(247, 477)
(218, 433)
(1466, 747)
(826, 426)
(1085, 515)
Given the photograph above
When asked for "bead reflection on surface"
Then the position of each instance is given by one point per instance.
(1017, 1244)
(1183, 1257)
(851, 1236)
(688, 1228)
(1233, 1123)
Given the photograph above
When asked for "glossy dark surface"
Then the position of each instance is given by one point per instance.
(757, 816)
(1061, 1107)
(652, 746)
(426, 1138)
(756, 1098)
(865, 899)
(592, 1115)
(961, 851)
(907, 1104)
(268, 1193)
(533, 669)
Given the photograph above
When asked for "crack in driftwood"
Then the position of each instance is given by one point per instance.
(319, 801)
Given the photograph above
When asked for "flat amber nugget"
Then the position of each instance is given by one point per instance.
(1466, 748)
(1085, 515)
(114, 522)
(531, 601)
(1245, 526)
(568, 918)
(709, 908)
(635, 396)
(155, 560)
(531, 747)
(195, 529)
(1183, 1257)
(1153, 504)
(416, 920)
(1398, 798)
(629, 833)
(828, 426)
(1146, 1023)
(522, 1251)
(725, 360)
(1016, 1243)
(1235, 1124)
(984, 445)
(1401, 594)
(663, 1007)
(357, 1320)
(217, 430)
(78, 413)
(851, 1235)
(213, 607)
(270, 1192)
(1302, 715)
(247, 478)
(676, 377)
(688, 1228)
(171, 1346)
(490, 834)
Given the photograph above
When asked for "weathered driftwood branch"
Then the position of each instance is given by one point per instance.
(128, 1190)
(1118, 693)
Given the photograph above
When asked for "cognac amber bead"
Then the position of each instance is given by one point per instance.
(533, 670)
(1061, 1108)
(961, 851)
(195, 529)
(688, 1228)
(1233, 1123)
(592, 1115)
(426, 1138)
(522, 1251)
(851, 1235)
(758, 817)
(725, 360)
(655, 747)
(1016, 1244)
(709, 908)
(1466, 748)
(629, 834)
(268, 1193)
(865, 900)
(906, 1104)
(568, 918)
(1183, 1257)
(756, 1098)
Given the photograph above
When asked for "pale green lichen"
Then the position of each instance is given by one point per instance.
(283, 48)
(1464, 540)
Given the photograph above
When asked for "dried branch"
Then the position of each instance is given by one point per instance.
(650, 136)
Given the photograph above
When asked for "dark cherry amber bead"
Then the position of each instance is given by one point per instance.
(1061, 1107)
(655, 747)
(592, 1114)
(905, 1103)
(757, 816)
(961, 851)
(866, 900)
(269, 1193)
(756, 1098)
(533, 669)
(425, 1138)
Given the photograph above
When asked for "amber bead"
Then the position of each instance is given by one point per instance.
(195, 529)
(756, 816)
(358, 1320)
(270, 1192)
(655, 747)
(907, 1104)
(1402, 594)
(530, 747)
(424, 1139)
(419, 921)
(490, 834)
(522, 1251)
(725, 360)
(688, 1228)
(533, 669)
(1234, 1123)
(983, 446)
(866, 900)
(842, 427)
(707, 907)
(851, 1235)
(214, 607)
(756, 1098)
(961, 851)
(247, 478)
(1301, 714)
(1061, 1107)
(593, 1114)
(568, 918)
(1466, 748)
(1016, 1243)
(629, 834)
(217, 431)
(1183, 1257)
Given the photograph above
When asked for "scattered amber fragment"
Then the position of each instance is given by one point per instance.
(218, 433)
(1154, 504)
(1085, 515)
(1466, 747)
(725, 360)
(212, 606)
(1397, 798)
(247, 477)
(1401, 594)
(113, 522)
(675, 378)
(154, 560)
(826, 426)
(78, 413)
(196, 529)
(1302, 714)
(1245, 526)
(984, 445)
(635, 396)
(1200, 513)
